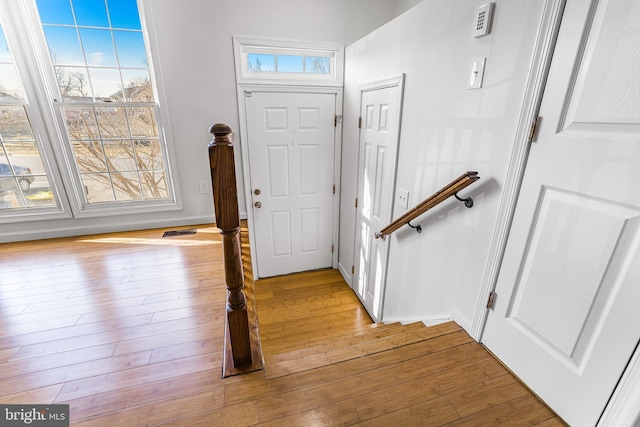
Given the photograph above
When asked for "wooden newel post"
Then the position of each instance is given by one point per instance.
(225, 200)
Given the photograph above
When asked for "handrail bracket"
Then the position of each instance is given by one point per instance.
(438, 197)
(418, 228)
(468, 201)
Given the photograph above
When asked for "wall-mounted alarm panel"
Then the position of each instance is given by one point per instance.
(482, 24)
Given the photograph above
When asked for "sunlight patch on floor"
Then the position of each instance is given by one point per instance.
(153, 242)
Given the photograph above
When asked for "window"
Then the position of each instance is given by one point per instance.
(94, 96)
(261, 62)
(23, 181)
(100, 62)
(269, 61)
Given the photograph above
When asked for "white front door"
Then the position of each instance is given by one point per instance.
(291, 140)
(380, 107)
(566, 318)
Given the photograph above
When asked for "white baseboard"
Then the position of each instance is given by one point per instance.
(436, 321)
(83, 229)
(428, 320)
(464, 322)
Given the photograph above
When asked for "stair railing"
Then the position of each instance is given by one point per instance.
(225, 200)
(438, 197)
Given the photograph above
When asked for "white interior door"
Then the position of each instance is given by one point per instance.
(380, 107)
(566, 318)
(291, 140)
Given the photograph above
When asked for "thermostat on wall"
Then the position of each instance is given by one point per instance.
(482, 24)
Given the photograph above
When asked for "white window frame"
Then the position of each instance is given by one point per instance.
(242, 46)
(39, 80)
(20, 50)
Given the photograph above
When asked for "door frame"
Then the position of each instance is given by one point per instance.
(540, 65)
(384, 83)
(624, 404)
(243, 143)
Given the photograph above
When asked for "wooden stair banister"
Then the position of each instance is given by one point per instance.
(225, 199)
(438, 197)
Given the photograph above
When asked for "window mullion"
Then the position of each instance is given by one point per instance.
(45, 197)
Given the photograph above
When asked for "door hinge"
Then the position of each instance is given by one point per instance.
(359, 122)
(356, 202)
(333, 248)
(534, 128)
(337, 119)
(334, 189)
(353, 269)
(491, 299)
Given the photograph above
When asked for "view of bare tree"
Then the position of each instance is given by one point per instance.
(319, 65)
(72, 84)
(116, 147)
(255, 65)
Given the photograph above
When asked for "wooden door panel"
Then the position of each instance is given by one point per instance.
(277, 171)
(309, 160)
(564, 276)
(291, 145)
(275, 119)
(308, 118)
(280, 230)
(600, 95)
(310, 230)
(565, 318)
(380, 124)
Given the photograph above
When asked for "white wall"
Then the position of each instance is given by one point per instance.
(193, 53)
(196, 59)
(402, 6)
(446, 130)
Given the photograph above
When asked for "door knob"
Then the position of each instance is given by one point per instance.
(256, 191)
(258, 205)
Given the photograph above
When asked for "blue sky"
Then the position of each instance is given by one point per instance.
(286, 63)
(90, 13)
(9, 80)
(102, 43)
(5, 56)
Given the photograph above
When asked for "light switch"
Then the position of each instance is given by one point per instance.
(203, 186)
(402, 198)
(477, 73)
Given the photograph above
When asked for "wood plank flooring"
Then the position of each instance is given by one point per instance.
(128, 328)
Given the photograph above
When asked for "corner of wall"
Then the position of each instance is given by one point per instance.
(345, 275)
(464, 322)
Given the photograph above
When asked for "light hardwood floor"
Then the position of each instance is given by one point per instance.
(127, 329)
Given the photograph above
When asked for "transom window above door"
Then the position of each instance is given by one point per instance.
(266, 61)
(289, 62)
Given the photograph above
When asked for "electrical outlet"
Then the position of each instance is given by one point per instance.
(402, 198)
(203, 186)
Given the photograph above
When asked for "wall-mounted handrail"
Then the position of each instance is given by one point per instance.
(438, 197)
